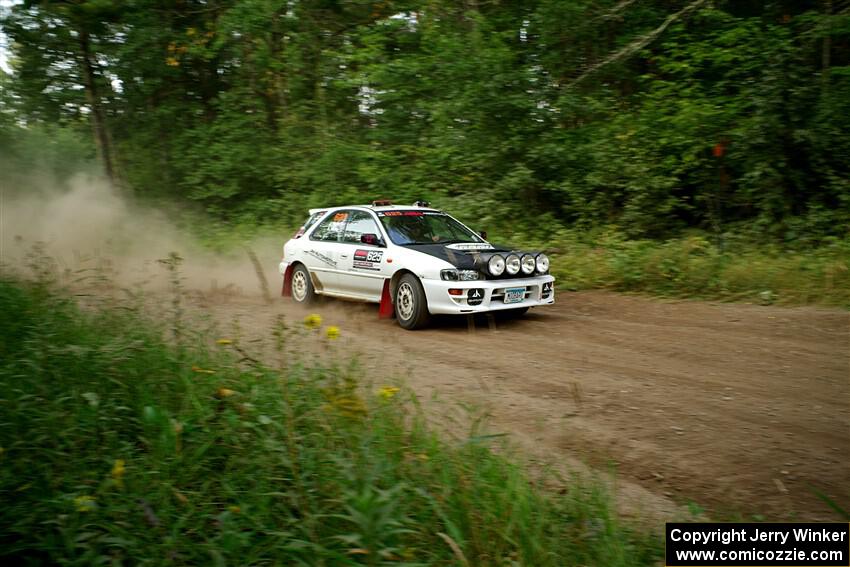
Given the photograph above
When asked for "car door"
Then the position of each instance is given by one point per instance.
(322, 252)
(363, 266)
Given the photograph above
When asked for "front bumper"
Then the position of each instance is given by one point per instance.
(440, 302)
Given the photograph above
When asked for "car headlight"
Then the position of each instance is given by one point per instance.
(459, 275)
(496, 265)
(542, 263)
(512, 264)
(528, 264)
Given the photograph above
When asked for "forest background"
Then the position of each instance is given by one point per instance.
(697, 148)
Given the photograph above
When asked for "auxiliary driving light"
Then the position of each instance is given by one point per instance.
(496, 265)
(528, 264)
(512, 264)
(542, 263)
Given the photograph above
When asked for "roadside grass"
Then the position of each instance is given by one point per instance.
(122, 441)
(696, 267)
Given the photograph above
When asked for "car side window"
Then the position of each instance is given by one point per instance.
(332, 228)
(360, 223)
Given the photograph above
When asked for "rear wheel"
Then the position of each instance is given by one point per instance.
(411, 306)
(302, 286)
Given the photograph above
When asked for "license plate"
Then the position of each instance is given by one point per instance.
(514, 295)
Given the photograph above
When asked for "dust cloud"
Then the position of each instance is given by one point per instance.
(88, 230)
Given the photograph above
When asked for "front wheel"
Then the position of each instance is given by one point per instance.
(411, 306)
(302, 286)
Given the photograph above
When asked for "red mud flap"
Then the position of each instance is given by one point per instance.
(385, 310)
(287, 282)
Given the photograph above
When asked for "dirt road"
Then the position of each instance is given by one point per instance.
(741, 410)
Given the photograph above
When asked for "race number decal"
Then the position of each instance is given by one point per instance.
(368, 259)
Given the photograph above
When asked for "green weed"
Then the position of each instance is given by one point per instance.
(699, 267)
(120, 446)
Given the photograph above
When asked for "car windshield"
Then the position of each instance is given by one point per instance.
(422, 227)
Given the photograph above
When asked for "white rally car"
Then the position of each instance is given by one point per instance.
(415, 261)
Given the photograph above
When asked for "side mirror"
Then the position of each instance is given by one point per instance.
(483, 234)
(370, 239)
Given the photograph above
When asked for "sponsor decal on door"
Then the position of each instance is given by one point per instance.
(322, 258)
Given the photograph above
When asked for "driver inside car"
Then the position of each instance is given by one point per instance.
(407, 230)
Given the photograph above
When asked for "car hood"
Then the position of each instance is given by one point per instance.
(461, 259)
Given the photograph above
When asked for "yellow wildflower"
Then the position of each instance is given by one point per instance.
(349, 406)
(332, 332)
(388, 392)
(84, 503)
(172, 62)
(224, 342)
(118, 470)
(180, 496)
(224, 393)
(313, 321)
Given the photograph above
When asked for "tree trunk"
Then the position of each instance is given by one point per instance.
(98, 119)
(827, 47)
(274, 97)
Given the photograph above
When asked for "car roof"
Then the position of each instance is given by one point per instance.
(375, 208)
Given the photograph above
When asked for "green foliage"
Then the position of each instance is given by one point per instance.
(40, 155)
(700, 266)
(117, 447)
(258, 109)
(733, 122)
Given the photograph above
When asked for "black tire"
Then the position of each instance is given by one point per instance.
(508, 314)
(302, 286)
(411, 305)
